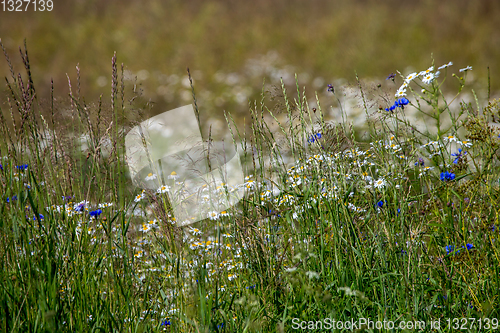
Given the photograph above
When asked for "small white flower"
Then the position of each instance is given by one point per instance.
(428, 78)
(150, 176)
(466, 143)
(468, 68)
(139, 197)
(427, 71)
(446, 65)
(163, 189)
(380, 183)
(410, 77)
(145, 227)
(213, 215)
(173, 175)
(195, 231)
(401, 92)
(451, 138)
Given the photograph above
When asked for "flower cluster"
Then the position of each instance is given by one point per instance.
(447, 176)
(400, 103)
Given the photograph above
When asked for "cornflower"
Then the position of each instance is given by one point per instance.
(458, 155)
(96, 212)
(447, 176)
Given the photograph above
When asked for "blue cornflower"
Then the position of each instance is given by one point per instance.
(22, 167)
(251, 287)
(165, 323)
(330, 88)
(391, 77)
(96, 212)
(449, 248)
(446, 176)
(220, 326)
(314, 137)
(392, 108)
(469, 246)
(1, 167)
(458, 155)
(41, 217)
(380, 204)
(401, 102)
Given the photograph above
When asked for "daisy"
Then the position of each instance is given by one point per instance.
(410, 77)
(139, 197)
(150, 176)
(163, 189)
(446, 65)
(451, 138)
(428, 78)
(427, 71)
(213, 215)
(401, 92)
(468, 68)
(173, 175)
(466, 143)
(380, 183)
(145, 227)
(195, 231)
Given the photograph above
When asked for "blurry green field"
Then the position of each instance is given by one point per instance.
(227, 44)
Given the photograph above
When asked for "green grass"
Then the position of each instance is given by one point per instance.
(337, 225)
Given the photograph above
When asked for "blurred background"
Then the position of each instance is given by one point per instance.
(232, 46)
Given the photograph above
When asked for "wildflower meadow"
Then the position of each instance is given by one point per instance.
(336, 225)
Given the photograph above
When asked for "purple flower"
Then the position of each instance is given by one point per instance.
(330, 88)
(391, 77)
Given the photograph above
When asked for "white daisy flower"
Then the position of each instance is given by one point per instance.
(195, 231)
(427, 71)
(468, 68)
(451, 138)
(380, 183)
(150, 176)
(401, 92)
(213, 215)
(428, 78)
(173, 175)
(466, 143)
(410, 77)
(145, 227)
(138, 197)
(446, 65)
(163, 189)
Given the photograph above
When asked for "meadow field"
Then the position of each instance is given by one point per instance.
(370, 182)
